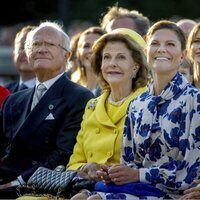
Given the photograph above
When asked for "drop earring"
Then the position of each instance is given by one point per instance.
(134, 74)
(181, 61)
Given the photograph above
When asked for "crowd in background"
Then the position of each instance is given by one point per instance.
(7, 33)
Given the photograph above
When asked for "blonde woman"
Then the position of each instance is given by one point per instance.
(193, 49)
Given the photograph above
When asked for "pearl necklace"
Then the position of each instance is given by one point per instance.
(117, 103)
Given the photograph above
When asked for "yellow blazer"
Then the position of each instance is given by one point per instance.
(99, 139)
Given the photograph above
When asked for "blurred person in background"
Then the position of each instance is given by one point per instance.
(73, 63)
(193, 50)
(84, 75)
(118, 17)
(4, 92)
(186, 26)
(7, 35)
(186, 68)
(26, 74)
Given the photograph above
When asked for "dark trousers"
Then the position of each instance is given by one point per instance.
(7, 176)
(8, 193)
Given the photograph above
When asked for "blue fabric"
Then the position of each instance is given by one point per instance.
(135, 188)
(162, 136)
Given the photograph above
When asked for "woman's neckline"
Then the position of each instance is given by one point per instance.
(117, 103)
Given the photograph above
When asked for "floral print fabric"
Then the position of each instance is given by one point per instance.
(162, 136)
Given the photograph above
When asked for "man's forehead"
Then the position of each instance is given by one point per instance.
(48, 33)
(48, 29)
(122, 22)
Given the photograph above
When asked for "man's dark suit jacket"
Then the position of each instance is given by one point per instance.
(46, 135)
(13, 87)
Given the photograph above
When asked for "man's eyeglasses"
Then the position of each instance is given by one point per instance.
(49, 45)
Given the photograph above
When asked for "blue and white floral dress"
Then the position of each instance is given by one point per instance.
(162, 138)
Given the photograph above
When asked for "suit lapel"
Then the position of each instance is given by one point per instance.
(15, 87)
(48, 103)
(20, 110)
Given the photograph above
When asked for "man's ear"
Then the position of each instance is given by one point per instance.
(68, 55)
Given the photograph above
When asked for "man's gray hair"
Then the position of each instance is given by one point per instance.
(56, 26)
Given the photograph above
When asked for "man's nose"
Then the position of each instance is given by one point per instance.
(43, 47)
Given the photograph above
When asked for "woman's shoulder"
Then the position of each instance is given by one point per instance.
(191, 92)
(139, 91)
(3, 89)
(92, 104)
(143, 94)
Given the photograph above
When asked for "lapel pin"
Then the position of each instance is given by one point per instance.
(51, 107)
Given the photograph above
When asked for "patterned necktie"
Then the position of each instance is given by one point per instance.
(22, 87)
(39, 91)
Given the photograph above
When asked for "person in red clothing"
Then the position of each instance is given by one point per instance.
(3, 94)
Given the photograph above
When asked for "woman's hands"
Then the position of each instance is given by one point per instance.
(119, 174)
(192, 193)
(89, 171)
(103, 174)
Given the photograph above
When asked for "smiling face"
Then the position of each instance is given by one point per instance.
(164, 52)
(118, 65)
(195, 48)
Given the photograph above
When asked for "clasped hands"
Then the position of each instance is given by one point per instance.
(118, 174)
(89, 171)
(121, 174)
(192, 193)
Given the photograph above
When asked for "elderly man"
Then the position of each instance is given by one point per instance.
(40, 125)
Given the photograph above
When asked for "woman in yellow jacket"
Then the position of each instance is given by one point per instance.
(120, 63)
